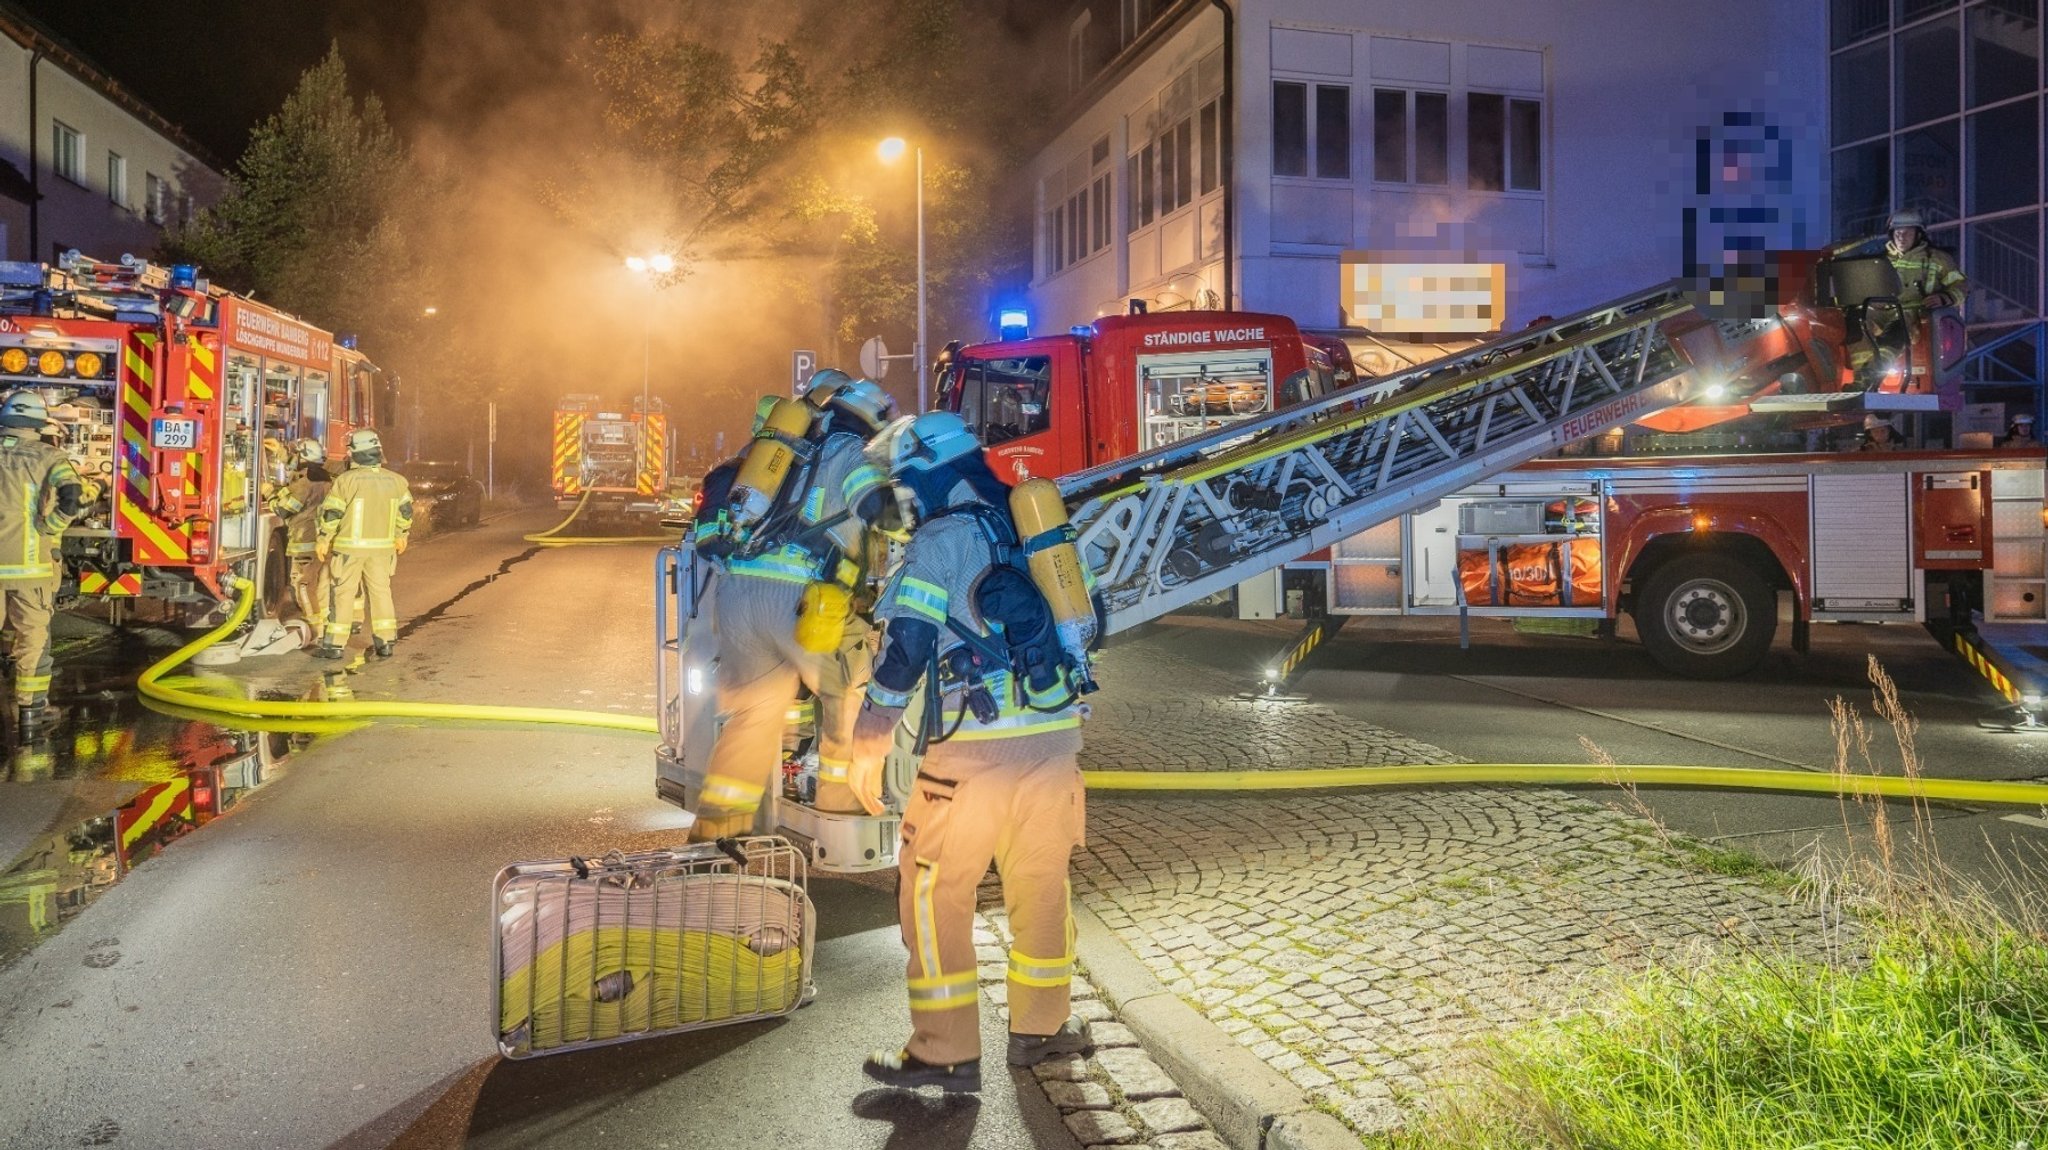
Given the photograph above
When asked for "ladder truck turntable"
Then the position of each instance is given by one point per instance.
(1445, 457)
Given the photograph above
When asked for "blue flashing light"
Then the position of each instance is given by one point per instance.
(1015, 317)
(347, 341)
(1082, 329)
(185, 276)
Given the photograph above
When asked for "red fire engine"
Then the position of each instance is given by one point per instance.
(611, 463)
(1732, 503)
(165, 390)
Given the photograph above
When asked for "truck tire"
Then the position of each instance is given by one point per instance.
(1706, 616)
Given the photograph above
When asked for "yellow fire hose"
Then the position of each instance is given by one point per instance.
(553, 536)
(153, 685)
(1574, 774)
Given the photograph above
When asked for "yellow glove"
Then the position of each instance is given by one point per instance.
(873, 732)
(323, 549)
(401, 544)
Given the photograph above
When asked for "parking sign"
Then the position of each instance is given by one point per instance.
(806, 367)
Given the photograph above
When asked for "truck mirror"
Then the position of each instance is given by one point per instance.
(1299, 387)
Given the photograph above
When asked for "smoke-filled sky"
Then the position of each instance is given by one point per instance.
(489, 92)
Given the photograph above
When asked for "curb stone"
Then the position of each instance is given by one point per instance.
(1251, 1105)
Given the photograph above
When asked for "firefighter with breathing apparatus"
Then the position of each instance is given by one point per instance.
(990, 612)
(40, 494)
(297, 502)
(365, 520)
(792, 528)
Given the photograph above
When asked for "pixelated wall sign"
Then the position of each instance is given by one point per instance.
(1395, 292)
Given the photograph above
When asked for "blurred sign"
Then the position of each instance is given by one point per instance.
(874, 359)
(806, 367)
(1396, 292)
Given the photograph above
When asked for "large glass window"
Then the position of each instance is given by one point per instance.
(1212, 147)
(67, 152)
(1855, 19)
(1862, 184)
(1931, 173)
(1390, 135)
(1911, 10)
(2004, 50)
(1525, 145)
(1930, 71)
(1432, 138)
(1290, 129)
(1503, 143)
(1006, 399)
(2005, 158)
(1861, 91)
(2004, 263)
(1333, 131)
(1145, 187)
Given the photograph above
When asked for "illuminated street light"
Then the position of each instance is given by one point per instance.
(636, 264)
(430, 311)
(891, 150)
(660, 263)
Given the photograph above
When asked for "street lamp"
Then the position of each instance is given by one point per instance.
(891, 150)
(660, 263)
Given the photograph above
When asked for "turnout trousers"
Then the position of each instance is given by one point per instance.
(1025, 810)
(30, 603)
(759, 666)
(350, 573)
(309, 591)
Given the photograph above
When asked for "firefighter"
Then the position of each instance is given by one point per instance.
(1002, 784)
(365, 520)
(298, 502)
(1879, 435)
(40, 494)
(1928, 277)
(2020, 435)
(798, 561)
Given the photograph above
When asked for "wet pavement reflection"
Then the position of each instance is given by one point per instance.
(116, 783)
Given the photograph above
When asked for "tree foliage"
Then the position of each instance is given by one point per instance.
(317, 211)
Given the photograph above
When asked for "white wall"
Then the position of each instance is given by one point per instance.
(83, 216)
(1627, 87)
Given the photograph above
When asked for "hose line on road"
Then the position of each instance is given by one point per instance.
(553, 536)
(1575, 774)
(153, 685)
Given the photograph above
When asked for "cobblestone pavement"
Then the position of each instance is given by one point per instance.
(1361, 943)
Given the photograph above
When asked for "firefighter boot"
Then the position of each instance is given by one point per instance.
(1031, 1049)
(905, 1071)
(382, 648)
(328, 651)
(36, 715)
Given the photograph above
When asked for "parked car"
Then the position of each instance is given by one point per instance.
(456, 498)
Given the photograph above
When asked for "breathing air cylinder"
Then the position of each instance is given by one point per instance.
(1055, 563)
(768, 461)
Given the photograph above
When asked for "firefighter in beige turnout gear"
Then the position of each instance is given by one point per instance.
(40, 494)
(764, 588)
(1003, 784)
(298, 503)
(365, 520)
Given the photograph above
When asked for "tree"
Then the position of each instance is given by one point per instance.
(316, 215)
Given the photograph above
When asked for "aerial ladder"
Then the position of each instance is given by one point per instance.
(1171, 526)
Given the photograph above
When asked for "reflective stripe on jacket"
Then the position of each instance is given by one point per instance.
(366, 509)
(31, 474)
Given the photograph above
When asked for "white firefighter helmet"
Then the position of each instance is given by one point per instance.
(922, 442)
(863, 399)
(24, 408)
(1905, 218)
(309, 451)
(364, 441)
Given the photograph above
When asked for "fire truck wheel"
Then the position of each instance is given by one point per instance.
(1707, 616)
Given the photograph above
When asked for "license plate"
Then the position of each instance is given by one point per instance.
(174, 434)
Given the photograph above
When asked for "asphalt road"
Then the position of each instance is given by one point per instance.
(312, 968)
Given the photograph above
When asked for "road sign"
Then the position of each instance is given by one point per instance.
(874, 359)
(806, 367)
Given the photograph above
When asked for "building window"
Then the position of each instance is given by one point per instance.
(1055, 239)
(1931, 172)
(2004, 258)
(1503, 143)
(1078, 222)
(1333, 132)
(2004, 50)
(1212, 147)
(1862, 178)
(2005, 158)
(1855, 19)
(1861, 95)
(1930, 72)
(1411, 136)
(1292, 142)
(117, 179)
(1145, 200)
(67, 152)
(155, 197)
(184, 209)
(1176, 167)
(1133, 13)
(1077, 53)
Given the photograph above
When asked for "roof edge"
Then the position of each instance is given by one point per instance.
(26, 31)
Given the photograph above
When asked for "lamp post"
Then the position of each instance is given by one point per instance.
(660, 264)
(891, 150)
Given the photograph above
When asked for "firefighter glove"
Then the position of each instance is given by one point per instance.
(400, 545)
(323, 549)
(872, 734)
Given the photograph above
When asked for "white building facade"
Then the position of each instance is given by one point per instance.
(83, 163)
(1579, 148)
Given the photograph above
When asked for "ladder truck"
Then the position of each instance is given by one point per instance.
(1166, 527)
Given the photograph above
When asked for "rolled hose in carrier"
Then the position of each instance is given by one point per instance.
(181, 694)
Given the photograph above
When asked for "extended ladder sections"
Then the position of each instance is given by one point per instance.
(1187, 520)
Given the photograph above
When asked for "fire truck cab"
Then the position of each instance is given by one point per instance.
(1055, 404)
